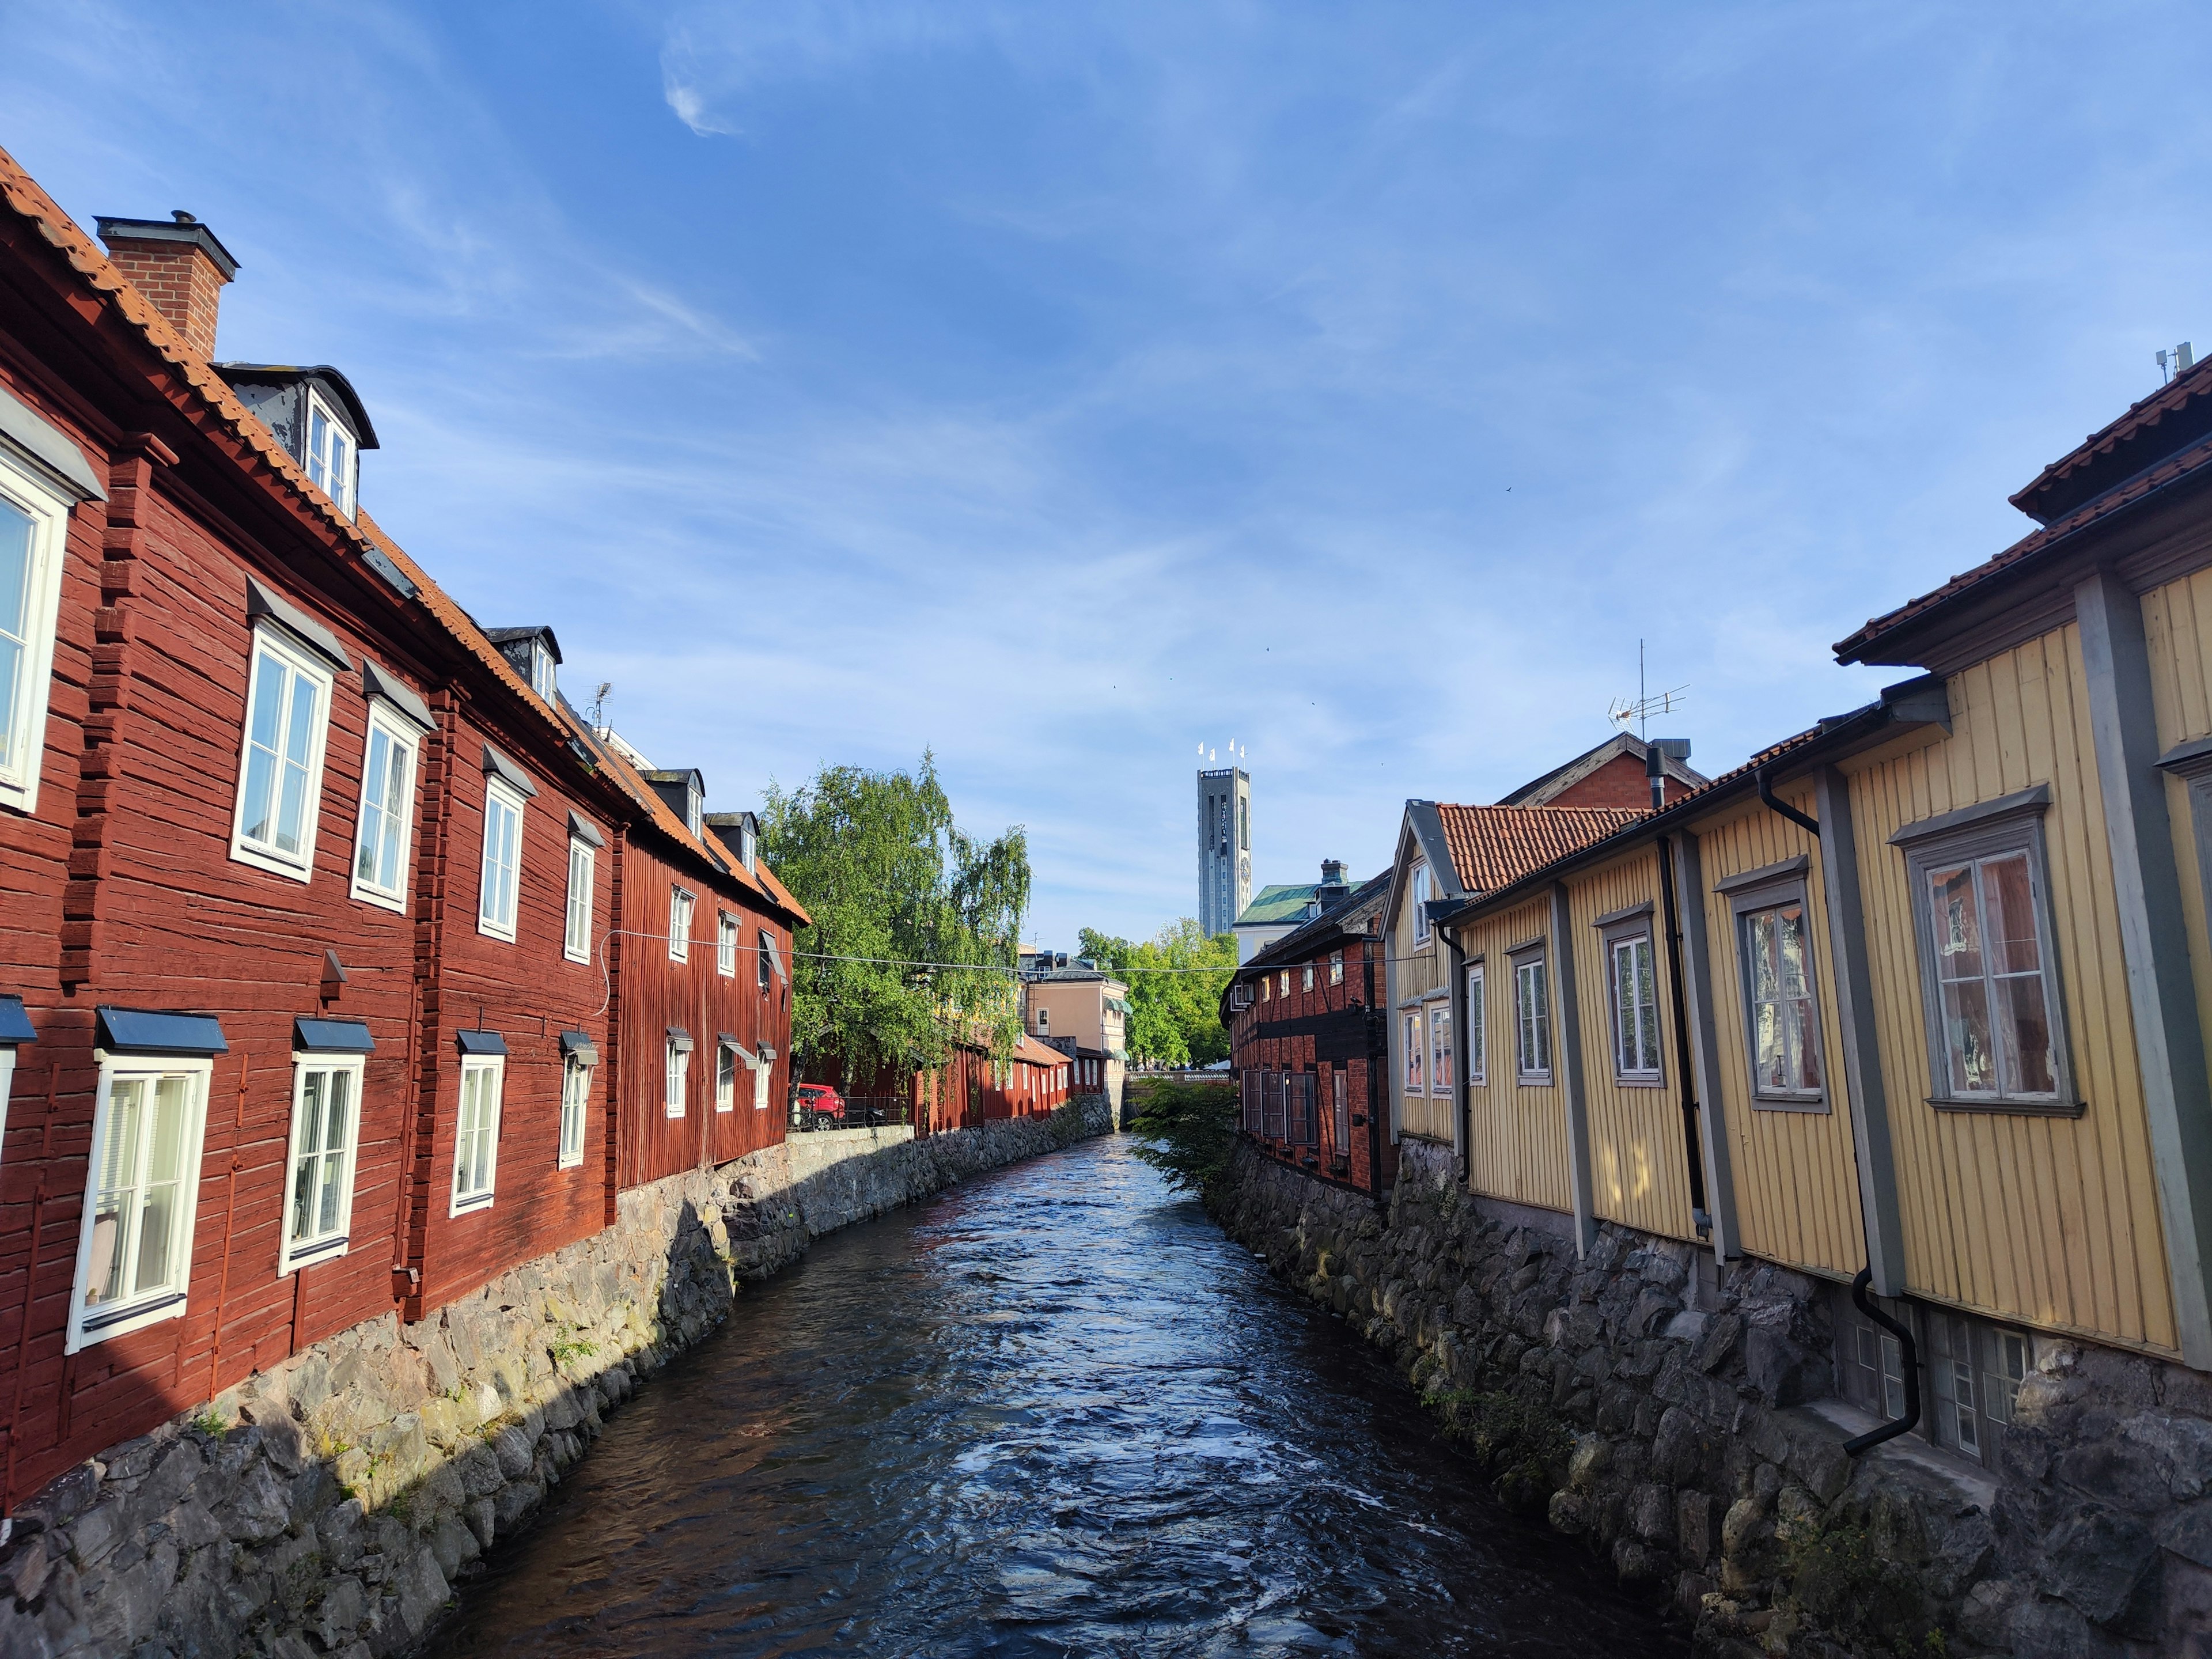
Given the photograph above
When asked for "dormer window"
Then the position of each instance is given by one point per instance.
(749, 845)
(331, 460)
(541, 670)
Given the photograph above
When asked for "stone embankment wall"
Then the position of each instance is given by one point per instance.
(327, 1505)
(1683, 1433)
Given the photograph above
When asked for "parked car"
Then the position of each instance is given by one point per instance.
(819, 1105)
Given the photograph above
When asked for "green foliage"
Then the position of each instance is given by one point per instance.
(1175, 1018)
(1523, 1442)
(1841, 1581)
(889, 879)
(211, 1423)
(568, 1344)
(1187, 1129)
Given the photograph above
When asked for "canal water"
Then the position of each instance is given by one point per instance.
(1051, 1411)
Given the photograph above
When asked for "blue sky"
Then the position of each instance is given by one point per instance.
(1061, 387)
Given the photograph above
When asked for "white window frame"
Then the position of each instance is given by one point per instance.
(583, 876)
(728, 931)
(676, 1080)
(1414, 1071)
(1534, 1026)
(269, 641)
(682, 902)
(2009, 828)
(575, 1111)
(1475, 1043)
(405, 739)
(763, 1071)
(543, 679)
(1418, 884)
(1043, 1021)
(1443, 1068)
(479, 1197)
(1336, 967)
(725, 1077)
(23, 744)
(1306, 977)
(323, 1245)
(7, 1085)
(497, 789)
(84, 1329)
(1621, 937)
(341, 483)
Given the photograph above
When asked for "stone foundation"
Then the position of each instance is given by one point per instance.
(327, 1505)
(1687, 1432)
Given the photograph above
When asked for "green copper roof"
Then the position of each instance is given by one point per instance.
(1273, 904)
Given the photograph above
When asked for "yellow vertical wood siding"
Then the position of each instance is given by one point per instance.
(1517, 1146)
(2050, 1221)
(1417, 967)
(1796, 1172)
(2178, 625)
(1639, 1174)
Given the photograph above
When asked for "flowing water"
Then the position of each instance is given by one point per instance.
(1052, 1411)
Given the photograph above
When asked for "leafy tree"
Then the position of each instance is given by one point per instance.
(890, 880)
(1175, 1015)
(1187, 1129)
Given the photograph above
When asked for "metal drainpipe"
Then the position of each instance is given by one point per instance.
(1908, 1351)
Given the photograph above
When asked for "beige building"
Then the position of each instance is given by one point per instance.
(1083, 1012)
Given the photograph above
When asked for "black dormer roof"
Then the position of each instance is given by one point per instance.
(332, 383)
(503, 637)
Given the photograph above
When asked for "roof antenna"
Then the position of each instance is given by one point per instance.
(1638, 714)
(599, 704)
(2179, 361)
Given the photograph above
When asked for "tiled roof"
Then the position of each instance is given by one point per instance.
(1492, 847)
(2196, 383)
(1038, 1053)
(2113, 441)
(22, 195)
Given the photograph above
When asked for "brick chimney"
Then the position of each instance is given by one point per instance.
(177, 264)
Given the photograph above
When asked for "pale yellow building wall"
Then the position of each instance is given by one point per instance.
(1517, 1134)
(1639, 1175)
(1796, 1172)
(2177, 626)
(1416, 967)
(2052, 1221)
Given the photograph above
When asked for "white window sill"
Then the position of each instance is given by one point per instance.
(396, 902)
(307, 1256)
(493, 930)
(568, 955)
(571, 1160)
(120, 1322)
(469, 1205)
(299, 870)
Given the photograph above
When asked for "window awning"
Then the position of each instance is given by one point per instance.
(768, 1054)
(332, 1037)
(480, 1042)
(32, 435)
(582, 828)
(383, 684)
(260, 602)
(150, 1031)
(679, 1039)
(507, 771)
(15, 1024)
(728, 1040)
(577, 1046)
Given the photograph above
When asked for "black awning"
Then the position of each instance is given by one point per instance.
(152, 1032)
(15, 1024)
(332, 1037)
(679, 1039)
(577, 1046)
(480, 1042)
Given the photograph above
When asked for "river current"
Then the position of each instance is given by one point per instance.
(1053, 1411)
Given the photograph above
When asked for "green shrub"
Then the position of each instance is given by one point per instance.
(1522, 1443)
(1840, 1581)
(1188, 1130)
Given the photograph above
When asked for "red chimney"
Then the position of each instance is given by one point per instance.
(177, 264)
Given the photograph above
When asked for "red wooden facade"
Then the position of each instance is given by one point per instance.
(1308, 1048)
(187, 540)
(970, 1088)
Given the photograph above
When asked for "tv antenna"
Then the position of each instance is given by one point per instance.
(1624, 713)
(598, 703)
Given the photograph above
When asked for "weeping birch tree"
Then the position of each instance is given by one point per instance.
(891, 881)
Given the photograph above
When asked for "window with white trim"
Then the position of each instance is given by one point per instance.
(33, 529)
(331, 458)
(576, 936)
(679, 925)
(1440, 1046)
(764, 959)
(1782, 1022)
(1416, 1060)
(1306, 977)
(677, 1077)
(387, 810)
(575, 1104)
(326, 1128)
(475, 1138)
(279, 779)
(763, 1069)
(1044, 1022)
(1477, 1057)
(1532, 1018)
(1995, 1021)
(1420, 888)
(1631, 987)
(502, 861)
(1336, 967)
(725, 1078)
(725, 944)
(134, 1251)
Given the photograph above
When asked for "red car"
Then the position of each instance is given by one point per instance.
(819, 1103)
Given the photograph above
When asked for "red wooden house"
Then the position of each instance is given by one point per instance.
(322, 915)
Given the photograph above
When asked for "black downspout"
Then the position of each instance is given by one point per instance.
(1908, 1351)
(1670, 917)
(1908, 1358)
